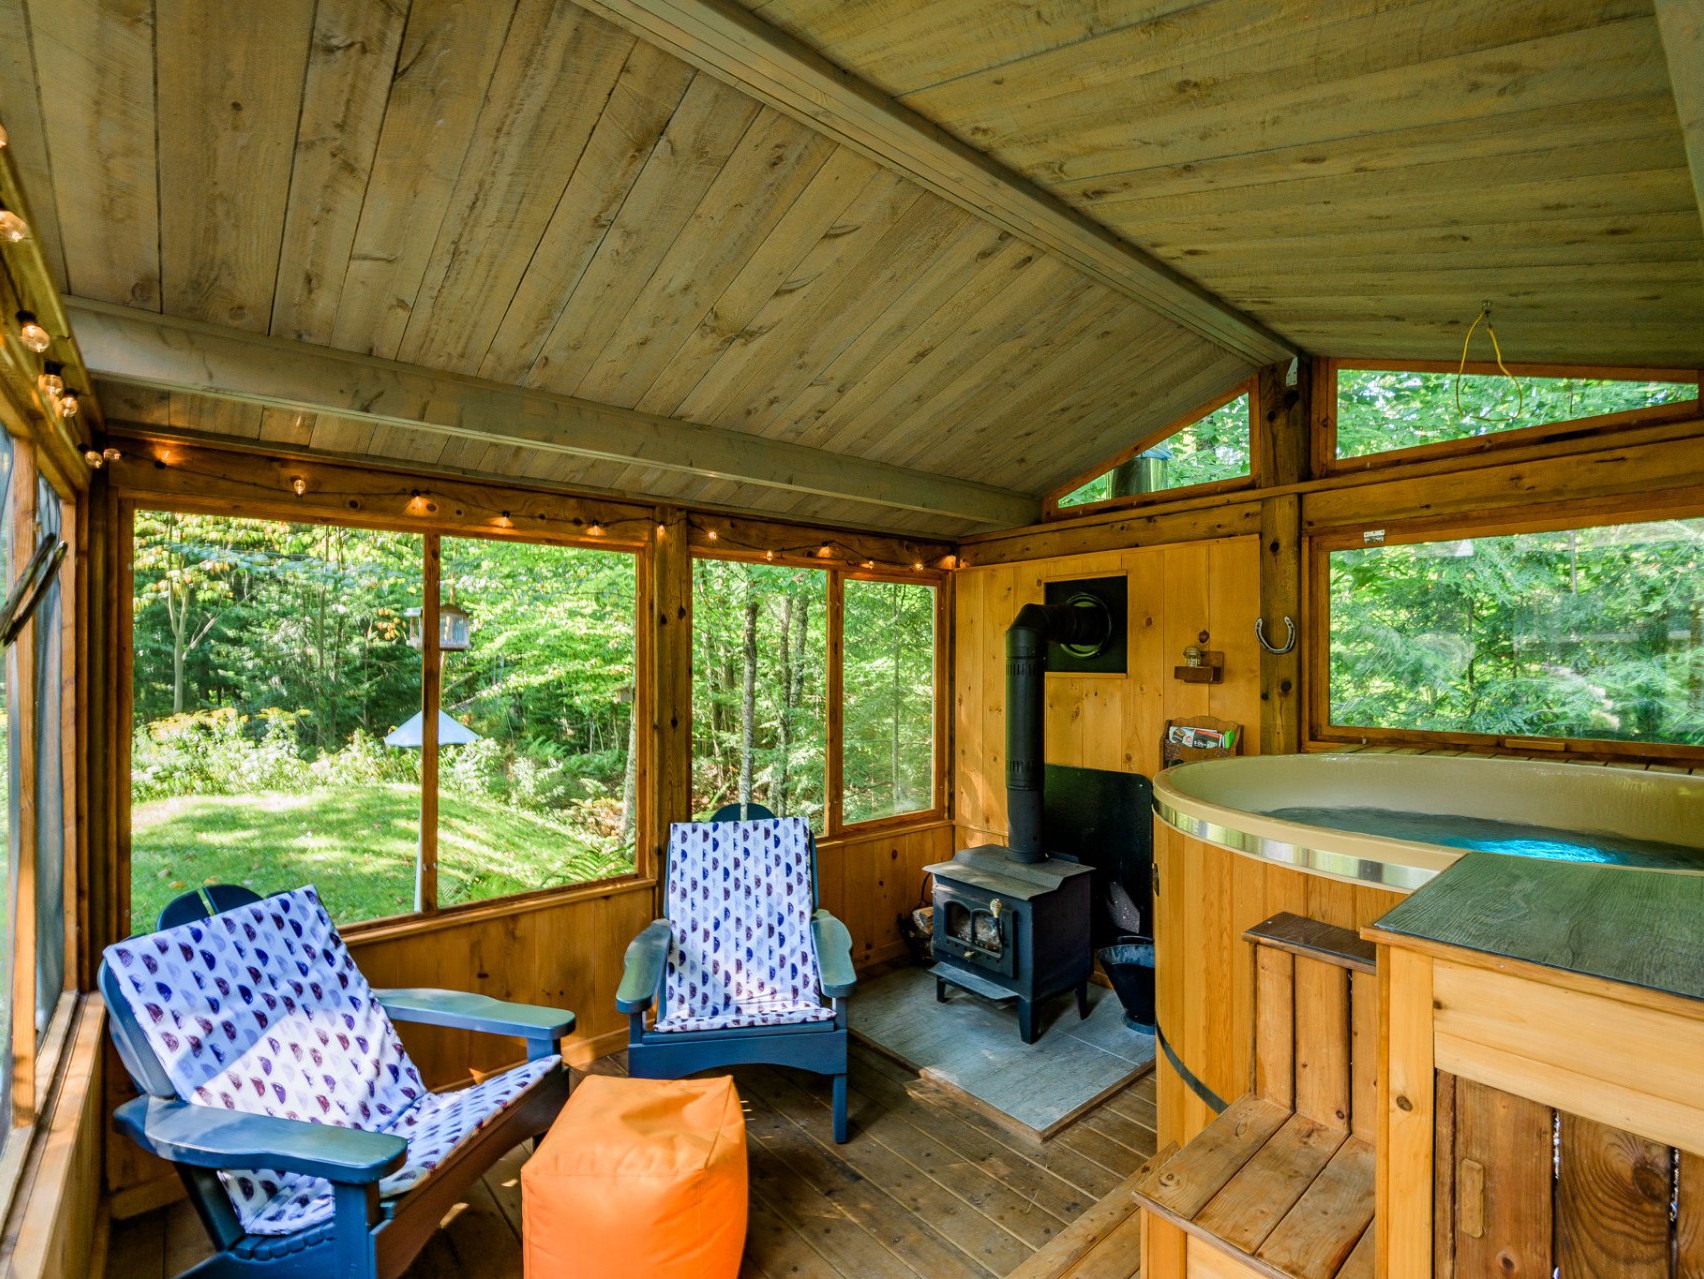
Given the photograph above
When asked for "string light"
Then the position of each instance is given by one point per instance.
(824, 551)
(662, 530)
(299, 486)
(869, 564)
(51, 383)
(711, 534)
(503, 521)
(32, 334)
(93, 456)
(111, 454)
(917, 565)
(594, 529)
(69, 404)
(769, 554)
(13, 229)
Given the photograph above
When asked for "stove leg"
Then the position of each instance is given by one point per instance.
(1026, 1021)
(940, 990)
(1083, 1001)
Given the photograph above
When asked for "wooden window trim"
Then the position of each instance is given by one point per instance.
(1553, 517)
(427, 911)
(1052, 510)
(1324, 427)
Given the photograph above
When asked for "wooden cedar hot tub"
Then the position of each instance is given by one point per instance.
(1222, 865)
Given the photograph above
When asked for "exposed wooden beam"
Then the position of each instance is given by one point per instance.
(166, 353)
(1682, 25)
(732, 44)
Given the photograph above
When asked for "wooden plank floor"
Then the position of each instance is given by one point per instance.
(927, 1188)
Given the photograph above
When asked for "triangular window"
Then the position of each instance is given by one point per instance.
(1213, 445)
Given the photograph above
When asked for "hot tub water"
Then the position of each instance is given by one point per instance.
(1489, 835)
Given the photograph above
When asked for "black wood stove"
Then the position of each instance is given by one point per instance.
(1010, 920)
(1004, 927)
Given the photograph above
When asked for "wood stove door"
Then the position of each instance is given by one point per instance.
(978, 929)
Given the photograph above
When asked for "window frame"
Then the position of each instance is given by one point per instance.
(834, 825)
(1326, 462)
(36, 1055)
(1249, 386)
(1324, 735)
(431, 529)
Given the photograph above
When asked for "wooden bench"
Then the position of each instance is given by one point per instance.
(1281, 1184)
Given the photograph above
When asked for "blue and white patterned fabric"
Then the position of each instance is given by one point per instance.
(261, 1009)
(739, 902)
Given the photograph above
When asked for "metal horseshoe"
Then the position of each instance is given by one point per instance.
(1289, 640)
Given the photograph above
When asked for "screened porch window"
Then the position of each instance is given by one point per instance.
(889, 683)
(1212, 447)
(1383, 410)
(1584, 633)
(279, 706)
(759, 687)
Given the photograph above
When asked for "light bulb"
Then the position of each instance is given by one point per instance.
(661, 529)
(12, 227)
(869, 563)
(111, 454)
(94, 457)
(917, 564)
(52, 385)
(299, 486)
(68, 405)
(32, 334)
(823, 551)
(711, 534)
(769, 555)
(594, 529)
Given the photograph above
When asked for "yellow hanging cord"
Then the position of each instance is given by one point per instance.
(1461, 371)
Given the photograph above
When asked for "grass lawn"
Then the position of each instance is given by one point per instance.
(356, 844)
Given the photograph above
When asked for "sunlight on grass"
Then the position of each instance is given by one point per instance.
(356, 844)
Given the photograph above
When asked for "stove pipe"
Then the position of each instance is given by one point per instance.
(1026, 660)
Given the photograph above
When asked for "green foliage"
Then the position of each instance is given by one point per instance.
(272, 659)
(1378, 410)
(1214, 447)
(1591, 633)
(770, 622)
(888, 734)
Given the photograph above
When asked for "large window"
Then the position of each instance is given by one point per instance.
(278, 715)
(1211, 446)
(889, 690)
(759, 687)
(540, 787)
(1586, 633)
(1383, 410)
(763, 680)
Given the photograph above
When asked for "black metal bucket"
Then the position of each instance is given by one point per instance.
(1129, 966)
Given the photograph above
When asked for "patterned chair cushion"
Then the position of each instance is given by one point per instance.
(739, 902)
(271, 1203)
(261, 1009)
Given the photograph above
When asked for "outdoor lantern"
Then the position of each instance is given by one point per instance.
(453, 626)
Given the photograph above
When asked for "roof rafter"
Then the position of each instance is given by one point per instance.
(732, 44)
(145, 349)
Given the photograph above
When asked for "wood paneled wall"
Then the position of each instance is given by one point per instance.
(1104, 721)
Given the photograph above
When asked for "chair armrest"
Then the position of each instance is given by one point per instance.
(463, 1010)
(834, 955)
(209, 1137)
(642, 967)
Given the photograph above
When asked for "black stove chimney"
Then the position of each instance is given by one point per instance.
(1083, 622)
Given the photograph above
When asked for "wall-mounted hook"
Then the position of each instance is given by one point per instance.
(1289, 638)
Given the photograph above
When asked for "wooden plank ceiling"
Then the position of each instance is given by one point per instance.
(1358, 174)
(519, 191)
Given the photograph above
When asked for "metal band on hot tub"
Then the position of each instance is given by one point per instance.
(1297, 856)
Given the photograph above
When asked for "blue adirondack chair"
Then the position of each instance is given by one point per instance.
(739, 967)
(273, 1080)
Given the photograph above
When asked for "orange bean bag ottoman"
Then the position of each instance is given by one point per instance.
(638, 1177)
